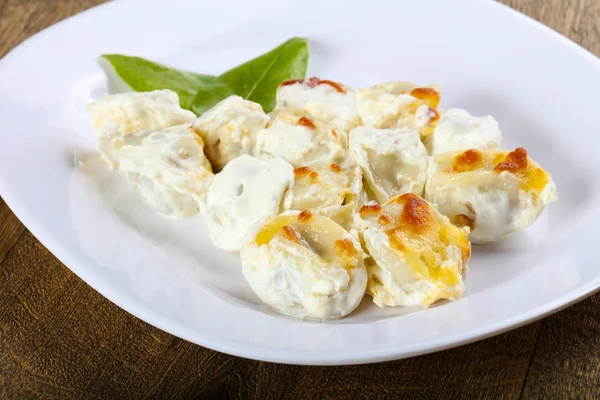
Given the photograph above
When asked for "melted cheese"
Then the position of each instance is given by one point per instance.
(126, 118)
(323, 100)
(393, 161)
(418, 257)
(229, 129)
(304, 265)
(328, 189)
(300, 140)
(167, 169)
(495, 193)
(532, 178)
(397, 105)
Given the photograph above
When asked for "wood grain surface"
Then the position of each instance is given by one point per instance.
(61, 339)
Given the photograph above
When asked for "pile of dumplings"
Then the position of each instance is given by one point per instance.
(335, 193)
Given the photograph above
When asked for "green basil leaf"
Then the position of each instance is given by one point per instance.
(209, 95)
(257, 80)
(127, 73)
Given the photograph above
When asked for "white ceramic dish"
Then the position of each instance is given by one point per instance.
(543, 89)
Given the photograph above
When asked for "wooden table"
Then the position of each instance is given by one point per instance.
(61, 339)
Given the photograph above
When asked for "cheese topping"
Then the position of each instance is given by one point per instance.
(323, 100)
(125, 118)
(229, 129)
(289, 190)
(304, 265)
(299, 139)
(397, 105)
(168, 169)
(531, 177)
(328, 189)
(418, 256)
(495, 193)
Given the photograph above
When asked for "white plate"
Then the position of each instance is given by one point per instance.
(543, 89)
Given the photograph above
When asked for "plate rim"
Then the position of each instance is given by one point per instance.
(297, 357)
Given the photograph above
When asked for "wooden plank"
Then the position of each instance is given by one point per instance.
(492, 368)
(20, 19)
(566, 363)
(61, 339)
(10, 229)
(579, 20)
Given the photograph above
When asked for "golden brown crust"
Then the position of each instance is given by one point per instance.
(334, 85)
(370, 208)
(429, 96)
(335, 135)
(345, 250)
(514, 161)
(314, 177)
(385, 220)
(532, 177)
(423, 237)
(461, 220)
(289, 233)
(307, 122)
(416, 214)
(469, 160)
(302, 171)
(304, 216)
(395, 236)
(403, 198)
(291, 82)
(314, 82)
